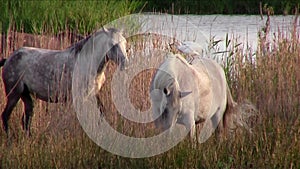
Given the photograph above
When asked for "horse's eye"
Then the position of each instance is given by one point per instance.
(166, 92)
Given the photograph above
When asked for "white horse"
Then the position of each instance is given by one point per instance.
(197, 92)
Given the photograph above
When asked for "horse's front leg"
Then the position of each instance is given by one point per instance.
(187, 119)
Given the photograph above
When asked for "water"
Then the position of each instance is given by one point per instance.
(201, 28)
(245, 28)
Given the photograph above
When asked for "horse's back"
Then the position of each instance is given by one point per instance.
(24, 58)
(217, 83)
(42, 50)
(24, 53)
(214, 71)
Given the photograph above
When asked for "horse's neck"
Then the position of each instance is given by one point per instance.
(102, 65)
(95, 48)
(182, 68)
(191, 77)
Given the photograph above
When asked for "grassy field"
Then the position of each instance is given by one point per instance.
(272, 83)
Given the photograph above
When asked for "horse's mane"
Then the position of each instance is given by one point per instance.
(179, 58)
(182, 60)
(78, 46)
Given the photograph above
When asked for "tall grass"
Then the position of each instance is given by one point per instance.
(270, 78)
(56, 16)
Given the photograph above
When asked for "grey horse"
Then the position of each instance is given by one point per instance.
(47, 74)
(191, 93)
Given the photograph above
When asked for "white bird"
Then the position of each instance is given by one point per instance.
(191, 49)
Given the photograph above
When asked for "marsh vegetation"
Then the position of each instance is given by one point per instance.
(268, 77)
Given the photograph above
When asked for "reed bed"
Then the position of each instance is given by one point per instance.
(269, 78)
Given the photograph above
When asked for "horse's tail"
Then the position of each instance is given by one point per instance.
(2, 62)
(237, 115)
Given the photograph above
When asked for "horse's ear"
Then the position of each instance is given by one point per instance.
(183, 94)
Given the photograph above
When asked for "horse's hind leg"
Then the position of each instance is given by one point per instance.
(28, 104)
(12, 100)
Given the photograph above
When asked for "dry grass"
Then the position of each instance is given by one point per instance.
(272, 83)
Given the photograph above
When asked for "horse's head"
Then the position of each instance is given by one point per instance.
(117, 47)
(169, 105)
